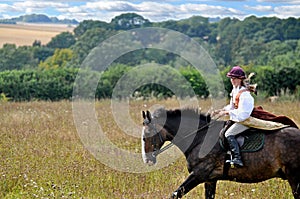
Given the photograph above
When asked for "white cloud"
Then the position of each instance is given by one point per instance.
(210, 10)
(288, 11)
(259, 8)
(37, 5)
(281, 1)
(111, 6)
(8, 8)
(25, 7)
(152, 10)
(155, 10)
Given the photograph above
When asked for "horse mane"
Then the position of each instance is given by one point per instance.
(187, 111)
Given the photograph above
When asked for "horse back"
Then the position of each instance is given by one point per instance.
(286, 141)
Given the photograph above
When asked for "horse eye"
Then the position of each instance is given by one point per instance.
(144, 139)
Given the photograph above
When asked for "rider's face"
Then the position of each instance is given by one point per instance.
(235, 81)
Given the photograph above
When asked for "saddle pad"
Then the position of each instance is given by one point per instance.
(253, 141)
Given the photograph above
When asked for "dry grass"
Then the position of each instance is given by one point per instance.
(26, 34)
(43, 157)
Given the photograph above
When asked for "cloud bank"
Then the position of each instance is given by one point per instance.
(152, 10)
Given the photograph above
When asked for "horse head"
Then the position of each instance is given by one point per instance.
(180, 127)
(153, 137)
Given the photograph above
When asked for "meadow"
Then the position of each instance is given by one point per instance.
(26, 34)
(42, 156)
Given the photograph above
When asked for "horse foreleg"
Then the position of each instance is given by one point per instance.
(293, 177)
(191, 182)
(210, 189)
(295, 189)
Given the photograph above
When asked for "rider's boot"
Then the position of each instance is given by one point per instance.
(235, 149)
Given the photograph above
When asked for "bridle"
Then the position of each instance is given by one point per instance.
(154, 143)
(157, 150)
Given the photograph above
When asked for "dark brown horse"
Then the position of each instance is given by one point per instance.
(280, 156)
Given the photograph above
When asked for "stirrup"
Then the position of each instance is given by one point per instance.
(238, 162)
(234, 161)
(234, 164)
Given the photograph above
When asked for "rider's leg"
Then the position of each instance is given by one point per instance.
(230, 134)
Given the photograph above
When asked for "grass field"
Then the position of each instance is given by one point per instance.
(26, 34)
(42, 157)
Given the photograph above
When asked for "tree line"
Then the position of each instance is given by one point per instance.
(268, 46)
(58, 84)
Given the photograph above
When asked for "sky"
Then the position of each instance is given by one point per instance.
(154, 10)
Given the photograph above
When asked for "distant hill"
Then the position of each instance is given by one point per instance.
(38, 18)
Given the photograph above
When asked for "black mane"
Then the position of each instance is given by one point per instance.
(186, 112)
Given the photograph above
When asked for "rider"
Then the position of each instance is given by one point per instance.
(238, 110)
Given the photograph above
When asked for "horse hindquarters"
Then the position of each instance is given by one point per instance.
(292, 173)
(289, 139)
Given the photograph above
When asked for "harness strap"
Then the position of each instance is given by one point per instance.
(237, 98)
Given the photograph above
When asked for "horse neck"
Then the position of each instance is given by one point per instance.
(187, 133)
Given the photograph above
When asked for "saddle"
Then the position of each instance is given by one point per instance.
(251, 140)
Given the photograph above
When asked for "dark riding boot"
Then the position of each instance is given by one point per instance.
(235, 150)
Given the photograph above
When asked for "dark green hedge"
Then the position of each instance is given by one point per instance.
(24, 85)
(58, 84)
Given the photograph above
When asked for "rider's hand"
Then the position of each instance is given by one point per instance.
(216, 112)
(223, 113)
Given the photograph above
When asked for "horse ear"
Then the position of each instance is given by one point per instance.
(149, 116)
(144, 114)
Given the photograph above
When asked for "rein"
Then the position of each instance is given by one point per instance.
(156, 153)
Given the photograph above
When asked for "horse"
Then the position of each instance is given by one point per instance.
(279, 156)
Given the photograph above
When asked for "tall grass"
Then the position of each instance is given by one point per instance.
(42, 157)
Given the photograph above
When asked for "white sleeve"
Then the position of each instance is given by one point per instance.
(245, 107)
(230, 106)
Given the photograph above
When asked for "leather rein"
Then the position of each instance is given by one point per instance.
(156, 152)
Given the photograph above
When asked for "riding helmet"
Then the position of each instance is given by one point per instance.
(237, 72)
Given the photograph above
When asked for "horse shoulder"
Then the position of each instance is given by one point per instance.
(211, 164)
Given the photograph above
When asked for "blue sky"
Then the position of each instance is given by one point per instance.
(154, 10)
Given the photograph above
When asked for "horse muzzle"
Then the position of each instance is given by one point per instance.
(149, 159)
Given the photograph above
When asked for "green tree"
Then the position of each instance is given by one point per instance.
(288, 79)
(42, 53)
(291, 28)
(12, 57)
(109, 79)
(267, 80)
(129, 21)
(60, 59)
(196, 81)
(85, 43)
(88, 25)
(63, 40)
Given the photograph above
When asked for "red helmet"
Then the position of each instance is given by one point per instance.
(237, 72)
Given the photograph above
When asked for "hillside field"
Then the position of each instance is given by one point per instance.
(27, 33)
(42, 156)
